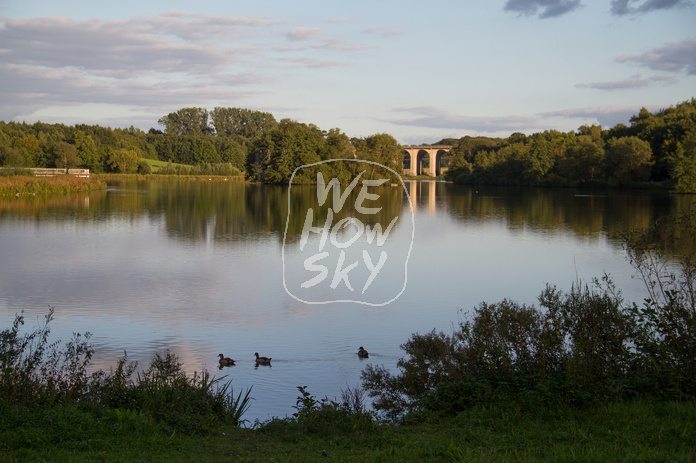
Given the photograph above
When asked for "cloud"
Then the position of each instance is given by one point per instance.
(302, 33)
(673, 57)
(607, 116)
(115, 49)
(431, 117)
(341, 45)
(631, 83)
(337, 20)
(152, 63)
(549, 8)
(382, 31)
(626, 7)
(308, 62)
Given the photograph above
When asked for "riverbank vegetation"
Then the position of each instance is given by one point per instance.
(22, 183)
(53, 408)
(586, 376)
(657, 149)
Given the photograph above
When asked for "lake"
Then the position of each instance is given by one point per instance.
(209, 267)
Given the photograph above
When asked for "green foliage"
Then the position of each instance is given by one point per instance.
(667, 318)
(186, 121)
(144, 167)
(124, 161)
(582, 160)
(578, 348)
(275, 156)
(246, 123)
(683, 164)
(223, 169)
(65, 155)
(624, 431)
(34, 372)
(628, 160)
(269, 151)
(11, 157)
(325, 417)
(380, 148)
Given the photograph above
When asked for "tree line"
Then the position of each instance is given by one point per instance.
(252, 141)
(655, 147)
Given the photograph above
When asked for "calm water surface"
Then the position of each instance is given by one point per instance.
(197, 268)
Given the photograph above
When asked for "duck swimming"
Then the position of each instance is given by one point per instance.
(225, 361)
(262, 360)
(362, 353)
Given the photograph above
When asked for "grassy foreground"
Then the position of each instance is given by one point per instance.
(632, 431)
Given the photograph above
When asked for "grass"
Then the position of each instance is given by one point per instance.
(28, 184)
(52, 409)
(627, 431)
(156, 164)
(587, 380)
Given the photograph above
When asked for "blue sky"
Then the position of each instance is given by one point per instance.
(420, 71)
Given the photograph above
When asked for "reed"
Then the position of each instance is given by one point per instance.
(28, 184)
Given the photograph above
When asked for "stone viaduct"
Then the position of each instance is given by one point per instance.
(413, 159)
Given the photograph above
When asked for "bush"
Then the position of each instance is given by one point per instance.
(325, 417)
(144, 167)
(222, 169)
(579, 348)
(34, 372)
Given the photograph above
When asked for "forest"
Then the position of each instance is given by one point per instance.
(657, 148)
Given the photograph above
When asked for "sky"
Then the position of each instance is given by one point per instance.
(420, 71)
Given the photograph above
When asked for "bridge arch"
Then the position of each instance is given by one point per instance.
(415, 156)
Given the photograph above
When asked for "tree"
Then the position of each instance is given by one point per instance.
(582, 160)
(683, 165)
(186, 121)
(247, 123)
(232, 151)
(10, 157)
(276, 155)
(124, 161)
(628, 160)
(383, 149)
(338, 146)
(65, 155)
(205, 152)
(28, 147)
(87, 150)
(539, 159)
(594, 131)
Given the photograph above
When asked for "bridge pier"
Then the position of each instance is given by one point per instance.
(415, 155)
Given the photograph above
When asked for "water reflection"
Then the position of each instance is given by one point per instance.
(228, 212)
(194, 266)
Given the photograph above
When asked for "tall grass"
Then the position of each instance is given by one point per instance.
(225, 169)
(28, 184)
(34, 372)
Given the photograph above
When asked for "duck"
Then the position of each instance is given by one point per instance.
(362, 353)
(225, 361)
(262, 360)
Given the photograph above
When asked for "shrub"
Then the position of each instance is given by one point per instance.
(34, 372)
(325, 417)
(144, 167)
(579, 347)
